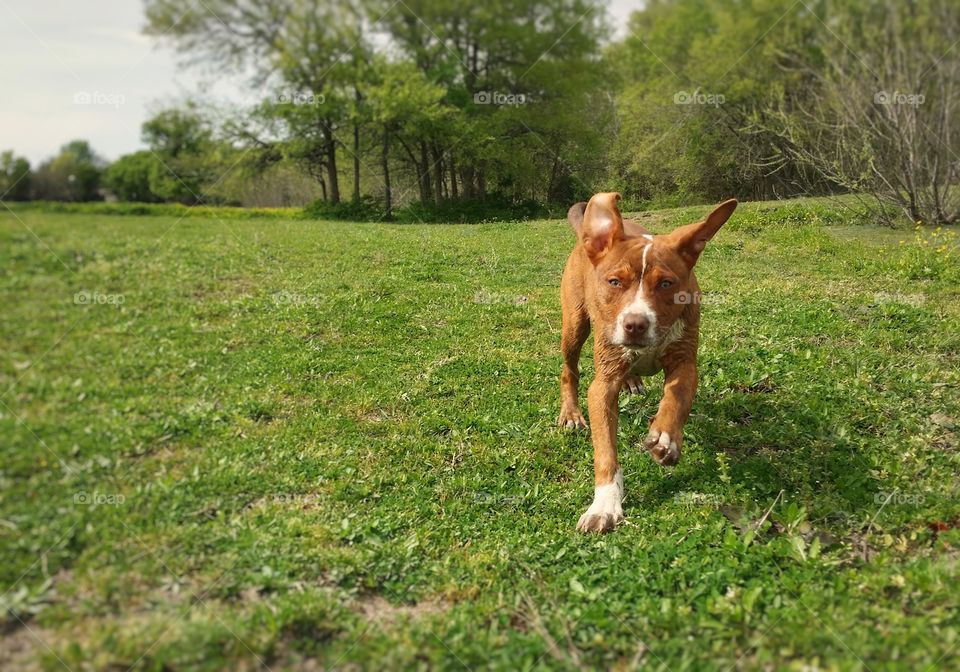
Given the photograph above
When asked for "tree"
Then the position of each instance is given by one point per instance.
(406, 108)
(73, 175)
(129, 177)
(301, 46)
(876, 111)
(694, 78)
(185, 155)
(14, 177)
(527, 78)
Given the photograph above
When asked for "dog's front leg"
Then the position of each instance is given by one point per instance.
(606, 511)
(665, 439)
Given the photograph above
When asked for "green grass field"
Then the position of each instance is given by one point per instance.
(247, 444)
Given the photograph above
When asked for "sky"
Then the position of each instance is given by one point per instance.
(82, 69)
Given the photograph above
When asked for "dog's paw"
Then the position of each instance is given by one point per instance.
(598, 522)
(571, 418)
(663, 447)
(632, 385)
(606, 511)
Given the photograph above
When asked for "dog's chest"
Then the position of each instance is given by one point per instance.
(644, 362)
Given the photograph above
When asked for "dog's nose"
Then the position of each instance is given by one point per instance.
(635, 324)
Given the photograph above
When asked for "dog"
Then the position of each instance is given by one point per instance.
(639, 293)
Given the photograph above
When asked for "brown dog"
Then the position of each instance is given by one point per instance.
(641, 296)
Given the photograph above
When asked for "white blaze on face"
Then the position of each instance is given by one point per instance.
(641, 305)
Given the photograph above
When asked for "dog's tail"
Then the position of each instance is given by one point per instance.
(575, 216)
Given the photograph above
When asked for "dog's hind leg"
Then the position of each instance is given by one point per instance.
(632, 384)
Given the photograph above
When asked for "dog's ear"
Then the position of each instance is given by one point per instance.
(575, 216)
(690, 240)
(602, 225)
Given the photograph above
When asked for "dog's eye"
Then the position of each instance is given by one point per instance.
(614, 282)
(665, 283)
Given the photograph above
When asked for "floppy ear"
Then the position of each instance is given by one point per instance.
(602, 225)
(690, 240)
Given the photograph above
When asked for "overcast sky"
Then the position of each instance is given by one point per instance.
(82, 69)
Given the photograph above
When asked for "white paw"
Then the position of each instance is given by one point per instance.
(663, 449)
(606, 511)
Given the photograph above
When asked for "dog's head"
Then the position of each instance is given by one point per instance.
(643, 283)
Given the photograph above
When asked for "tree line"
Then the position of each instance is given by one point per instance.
(372, 103)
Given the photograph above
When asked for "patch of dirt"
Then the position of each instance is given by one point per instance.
(20, 649)
(380, 611)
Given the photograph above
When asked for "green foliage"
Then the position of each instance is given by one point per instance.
(177, 210)
(73, 175)
(185, 158)
(491, 208)
(364, 210)
(335, 448)
(129, 177)
(15, 180)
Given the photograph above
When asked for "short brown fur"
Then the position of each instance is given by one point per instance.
(613, 261)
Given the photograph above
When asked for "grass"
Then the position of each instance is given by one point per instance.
(229, 444)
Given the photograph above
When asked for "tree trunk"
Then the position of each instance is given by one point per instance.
(467, 181)
(331, 163)
(438, 173)
(356, 153)
(385, 162)
(453, 179)
(425, 189)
